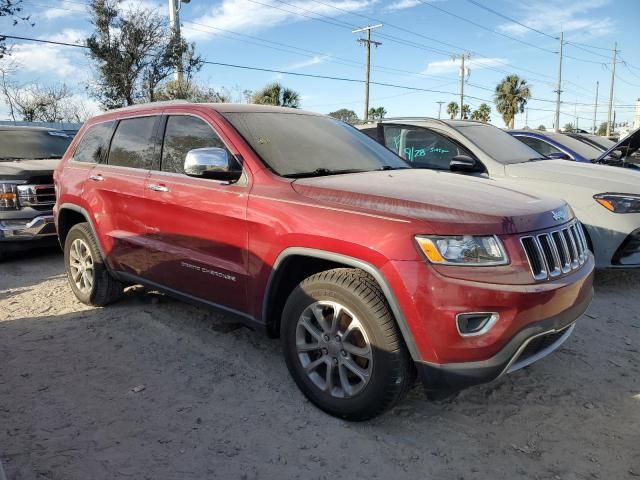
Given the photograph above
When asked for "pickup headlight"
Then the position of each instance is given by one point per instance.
(464, 250)
(8, 196)
(619, 202)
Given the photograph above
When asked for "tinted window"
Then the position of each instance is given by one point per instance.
(184, 133)
(421, 147)
(24, 143)
(298, 143)
(93, 143)
(539, 146)
(133, 143)
(584, 150)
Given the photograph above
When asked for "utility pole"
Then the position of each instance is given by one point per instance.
(613, 79)
(439, 108)
(174, 23)
(367, 42)
(526, 118)
(559, 90)
(462, 75)
(595, 109)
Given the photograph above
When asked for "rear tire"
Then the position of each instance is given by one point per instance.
(343, 347)
(88, 276)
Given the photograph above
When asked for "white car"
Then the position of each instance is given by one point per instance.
(605, 199)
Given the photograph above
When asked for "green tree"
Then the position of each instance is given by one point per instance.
(568, 127)
(511, 97)
(602, 129)
(466, 111)
(377, 113)
(345, 115)
(483, 113)
(135, 51)
(453, 109)
(542, 128)
(174, 90)
(275, 94)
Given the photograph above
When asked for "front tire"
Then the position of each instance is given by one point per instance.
(88, 276)
(342, 345)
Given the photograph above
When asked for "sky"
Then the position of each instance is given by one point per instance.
(419, 39)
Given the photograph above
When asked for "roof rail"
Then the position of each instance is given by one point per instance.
(148, 104)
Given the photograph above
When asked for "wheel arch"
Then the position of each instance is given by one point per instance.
(69, 215)
(304, 262)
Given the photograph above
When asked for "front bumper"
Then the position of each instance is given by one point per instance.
(529, 345)
(38, 228)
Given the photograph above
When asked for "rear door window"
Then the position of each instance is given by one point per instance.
(538, 145)
(421, 147)
(133, 144)
(184, 133)
(93, 142)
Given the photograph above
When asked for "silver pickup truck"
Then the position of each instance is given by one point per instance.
(28, 156)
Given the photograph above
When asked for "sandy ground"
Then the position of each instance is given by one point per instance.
(214, 400)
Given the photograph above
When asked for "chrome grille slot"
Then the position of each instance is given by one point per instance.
(553, 253)
(36, 196)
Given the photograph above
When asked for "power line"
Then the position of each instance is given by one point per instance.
(484, 7)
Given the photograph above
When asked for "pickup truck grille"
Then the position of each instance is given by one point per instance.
(553, 253)
(39, 197)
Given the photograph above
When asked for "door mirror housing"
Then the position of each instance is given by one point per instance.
(466, 164)
(559, 156)
(214, 163)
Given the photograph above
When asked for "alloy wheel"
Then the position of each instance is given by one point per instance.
(81, 265)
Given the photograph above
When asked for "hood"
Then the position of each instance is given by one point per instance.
(27, 169)
(448, 203)
(627, 146)
(598, 178)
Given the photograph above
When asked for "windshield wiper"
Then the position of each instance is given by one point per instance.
(537, 158)
(323, 172)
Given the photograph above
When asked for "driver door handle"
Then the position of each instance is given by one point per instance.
(157, 188)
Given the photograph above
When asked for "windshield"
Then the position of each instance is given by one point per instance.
(594, 140)
(23, 144)
(298, 144)
(498, 144)
(581, 148)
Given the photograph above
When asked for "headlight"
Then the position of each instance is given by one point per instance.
(466, 250)
(619, 202)
(8, 196)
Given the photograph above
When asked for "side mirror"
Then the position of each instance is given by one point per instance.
(213, 163)
(466, 164)
(559, 156)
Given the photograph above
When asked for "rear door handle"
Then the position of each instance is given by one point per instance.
(157, 188)
(96, 178)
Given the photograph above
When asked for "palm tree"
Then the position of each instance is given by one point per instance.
(511, 97)
(275, 94)
(483, 113)
(452, 110)
(466, 111)
(377, 113)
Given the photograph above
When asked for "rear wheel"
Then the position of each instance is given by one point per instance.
(88, 276)
(342, 345)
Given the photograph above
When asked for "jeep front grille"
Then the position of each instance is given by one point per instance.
(551, 254)
(37, 196)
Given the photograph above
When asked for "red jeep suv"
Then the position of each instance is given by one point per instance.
(369, 271)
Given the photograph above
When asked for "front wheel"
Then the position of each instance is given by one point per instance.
(342, 345)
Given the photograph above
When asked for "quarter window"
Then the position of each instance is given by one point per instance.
(133, 143)
(421, 147)
(540, 146)
(93, 142)
(184, 133)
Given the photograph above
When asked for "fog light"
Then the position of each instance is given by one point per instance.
(475, 323)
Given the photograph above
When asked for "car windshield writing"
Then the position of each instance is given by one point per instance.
(30, 144)
(296, 144)
(498, 144)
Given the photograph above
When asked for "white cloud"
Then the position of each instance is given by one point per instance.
(242, 15)
(318, 59)
(402, 5)
(449, 66)
(554, 15)
(69, 35)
